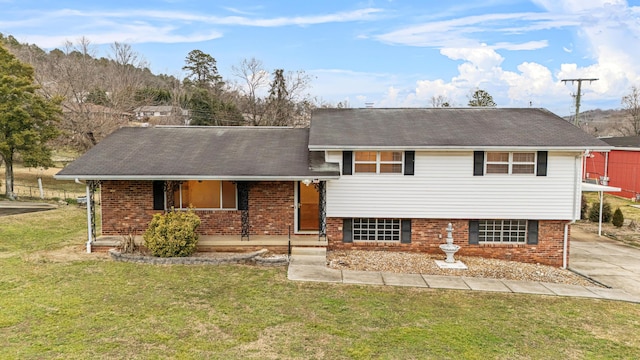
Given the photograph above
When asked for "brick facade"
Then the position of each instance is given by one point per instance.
(129, 205)
(428, 234)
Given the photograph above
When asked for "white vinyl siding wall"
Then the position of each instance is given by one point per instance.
(444, 187)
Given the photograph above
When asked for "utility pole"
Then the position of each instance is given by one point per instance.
(579, 81)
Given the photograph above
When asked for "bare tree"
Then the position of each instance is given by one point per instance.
(440, 101)
(254, 77)
(76, 75)
(631, 105)
(125, 76)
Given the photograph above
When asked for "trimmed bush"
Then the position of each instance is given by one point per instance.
(618, 218)
(584, 208)
(172, 234)
(594, 212)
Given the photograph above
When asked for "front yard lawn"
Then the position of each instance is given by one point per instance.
(95, 308)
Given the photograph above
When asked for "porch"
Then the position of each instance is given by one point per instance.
(230, 243)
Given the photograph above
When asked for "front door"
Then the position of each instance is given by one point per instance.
(308, 208)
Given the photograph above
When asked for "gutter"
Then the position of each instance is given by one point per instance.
(193, 177)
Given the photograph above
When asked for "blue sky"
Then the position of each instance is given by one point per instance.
(390, 53)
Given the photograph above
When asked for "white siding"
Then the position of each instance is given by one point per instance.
(444, 187)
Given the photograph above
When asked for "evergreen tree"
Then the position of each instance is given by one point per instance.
(481, 98)
(618, 218)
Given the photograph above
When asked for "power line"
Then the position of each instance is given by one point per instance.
(579, 81)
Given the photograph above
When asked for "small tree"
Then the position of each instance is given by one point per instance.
(618, 218)
(172, 234)
(481, 98)
(594, 212)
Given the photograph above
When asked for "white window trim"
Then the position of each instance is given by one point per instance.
(510, 163)
(179, 206)
(501, 232)
(377, 162)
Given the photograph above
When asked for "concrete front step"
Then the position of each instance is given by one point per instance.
(311, 251)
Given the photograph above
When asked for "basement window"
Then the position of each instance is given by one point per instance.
(376, 229)
(502, 231)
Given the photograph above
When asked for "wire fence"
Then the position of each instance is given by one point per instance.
(50, 193)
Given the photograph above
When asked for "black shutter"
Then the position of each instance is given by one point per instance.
(478, 163)
(542, 163)
(474, 232)
(347, 160)
(532, 232)
(405, 237)
(347, 230)
(158, 195)
(409, 160)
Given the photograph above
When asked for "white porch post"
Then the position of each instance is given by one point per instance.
(600, 214)
(89, 229)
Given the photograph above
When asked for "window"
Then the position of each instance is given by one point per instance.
(511, 163)
(378, 162)
(502, 231)
(205, 194)
(376, 230)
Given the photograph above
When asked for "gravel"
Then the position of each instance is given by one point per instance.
(414, 263)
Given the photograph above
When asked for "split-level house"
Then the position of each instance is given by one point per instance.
(508, 180)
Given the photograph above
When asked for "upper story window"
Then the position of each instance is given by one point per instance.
(378, 162)
(206, 194)
(510, 162)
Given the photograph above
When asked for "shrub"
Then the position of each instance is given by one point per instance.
(172, 234)
(594, 212)
(584, 208)
(618, 218)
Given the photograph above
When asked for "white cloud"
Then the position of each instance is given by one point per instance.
(157, 26)
(609, 29)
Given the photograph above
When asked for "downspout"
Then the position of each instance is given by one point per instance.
(565, 240)
(89, 229)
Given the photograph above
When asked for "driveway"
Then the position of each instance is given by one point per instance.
(608, 261)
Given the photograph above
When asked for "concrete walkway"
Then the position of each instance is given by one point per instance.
(309, 264)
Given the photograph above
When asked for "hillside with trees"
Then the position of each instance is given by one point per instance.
(100, 94)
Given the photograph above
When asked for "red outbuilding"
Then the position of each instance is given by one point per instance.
(619, 168)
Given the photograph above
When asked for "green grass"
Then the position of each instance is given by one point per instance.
(102, 309)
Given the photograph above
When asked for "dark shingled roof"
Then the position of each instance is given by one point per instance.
(445, 128)
(202, 152)
(623, 141)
